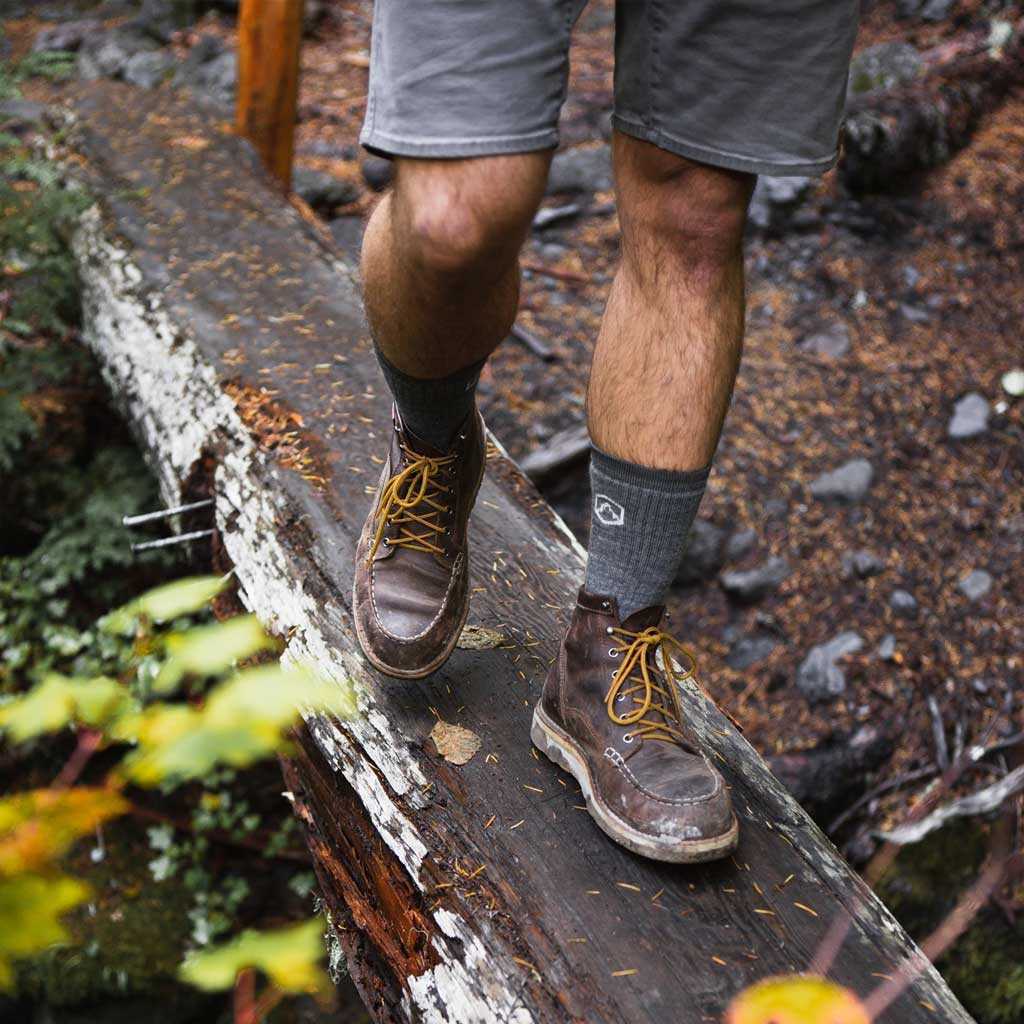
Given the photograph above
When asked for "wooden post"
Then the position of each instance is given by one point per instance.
(269, 39)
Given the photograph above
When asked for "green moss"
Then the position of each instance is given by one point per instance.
(985, 967)
(128, 941)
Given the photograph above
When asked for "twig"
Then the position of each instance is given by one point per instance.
(88, 743)
(532, 342)
(938, 733)
(251, 842)
(561, 275)
(879, 790)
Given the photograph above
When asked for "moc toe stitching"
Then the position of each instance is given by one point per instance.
(452, 580)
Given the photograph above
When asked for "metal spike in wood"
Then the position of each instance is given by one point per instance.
(473, 893)
(164, 513)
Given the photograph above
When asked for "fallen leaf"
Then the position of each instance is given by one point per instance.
(480, 638)
(455, 744)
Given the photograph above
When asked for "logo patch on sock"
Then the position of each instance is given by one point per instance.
(608, 512)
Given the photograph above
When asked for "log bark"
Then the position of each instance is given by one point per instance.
(893, 135)
(481, 893)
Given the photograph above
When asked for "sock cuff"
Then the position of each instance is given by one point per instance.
(633, 474)
(465, 374)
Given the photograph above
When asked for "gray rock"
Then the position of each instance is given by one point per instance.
(67, 37)
(775, 200)
(377, 172)
(347, 233)
(975, 585)
(18, 113)
(209, 69)
(915, 314)
(936, 10)
(582, 169)
(704, 553)
(847, 484)
(903, 602)
(819, 678)
(748, 651)
(887, 648)
(970, 417)
(105, 54)
(862, 563)
(322, 191)
(148, 70)
(883, 67)
(160, 19)
(739, 544)
(754, 584)
(832, 342)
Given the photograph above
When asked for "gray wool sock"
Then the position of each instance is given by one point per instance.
(433, 409)
(639, 524)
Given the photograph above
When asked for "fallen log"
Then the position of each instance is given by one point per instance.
(896, 133)
(236, 346)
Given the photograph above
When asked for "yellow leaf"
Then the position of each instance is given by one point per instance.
(37, 826)
(57, 701)
(244, 719)
(208, 650)
(167, 602)
(30, 910)
(796, 999)
(288, 956)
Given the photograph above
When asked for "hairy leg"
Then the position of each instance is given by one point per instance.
(670, 343)
(440, 258)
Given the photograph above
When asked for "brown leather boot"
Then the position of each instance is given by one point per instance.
(410, 597)
(610, 716)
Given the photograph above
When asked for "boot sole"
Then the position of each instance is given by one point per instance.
(421, 672)
(560, 748)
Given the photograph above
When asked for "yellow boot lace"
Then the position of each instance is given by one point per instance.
(412, 501)
(653, 691)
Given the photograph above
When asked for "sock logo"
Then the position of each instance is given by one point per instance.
(608, 512)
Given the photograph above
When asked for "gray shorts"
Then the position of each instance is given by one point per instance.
(749, 85)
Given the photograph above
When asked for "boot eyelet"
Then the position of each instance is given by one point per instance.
(609, 630)
(613, 652)
(628, 738)
(621, 697)
(387, 542)
(606, 605)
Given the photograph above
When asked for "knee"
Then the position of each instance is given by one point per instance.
(464, 217)
(687, 210)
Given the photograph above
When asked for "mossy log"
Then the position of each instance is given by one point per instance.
(236, 345)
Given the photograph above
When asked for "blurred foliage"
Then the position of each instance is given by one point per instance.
(244, 715)
(796, 999)
(289, 957)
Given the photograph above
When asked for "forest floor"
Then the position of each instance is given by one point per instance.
(869, 318)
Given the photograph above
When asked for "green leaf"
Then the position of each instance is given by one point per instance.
(167, 602)
(243, 720)
(30, 911)
(290, 957)
(57, 701)
(209, 650)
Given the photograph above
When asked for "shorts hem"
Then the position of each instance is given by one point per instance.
(721, 158)
(386, 144)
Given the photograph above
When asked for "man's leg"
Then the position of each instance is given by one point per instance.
(663, 372)
(664, 365)
(441, 278)
(441, 286)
